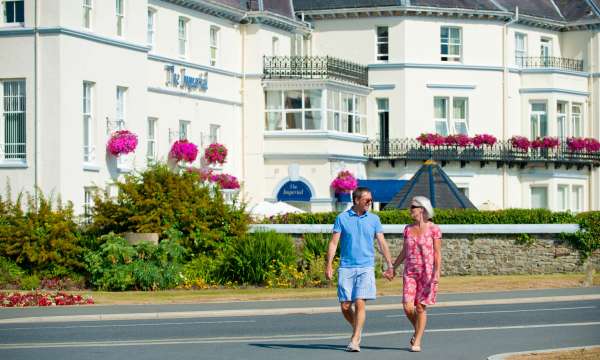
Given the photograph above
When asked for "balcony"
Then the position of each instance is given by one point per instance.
(532, 62)
(314, 67)
(501, 153)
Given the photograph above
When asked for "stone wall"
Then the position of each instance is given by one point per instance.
(501, 255)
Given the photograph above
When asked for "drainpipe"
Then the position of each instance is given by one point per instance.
(505, 74)
(591, 118)
(36, 141)
(243, 99)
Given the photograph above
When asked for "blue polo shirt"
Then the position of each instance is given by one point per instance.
(356, 239)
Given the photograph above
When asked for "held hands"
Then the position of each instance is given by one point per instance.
(390, 272)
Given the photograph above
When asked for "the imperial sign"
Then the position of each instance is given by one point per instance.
(183, 81)
(294, 191)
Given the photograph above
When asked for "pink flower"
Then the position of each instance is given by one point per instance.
(183, 150)
(204, 173)
(520, 142)
(431, 139)
(344, 182)
(122, 142)
(461, 140)
(484, 139)
(225, 181)
(592, 145)
(576, 144)
(215, 153)
(546, 142)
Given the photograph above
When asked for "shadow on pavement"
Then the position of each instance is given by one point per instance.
(322, 347)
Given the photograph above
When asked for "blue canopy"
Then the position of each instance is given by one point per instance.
(383, 191)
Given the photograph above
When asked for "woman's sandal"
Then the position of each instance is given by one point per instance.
(412, 340)
(415, 348)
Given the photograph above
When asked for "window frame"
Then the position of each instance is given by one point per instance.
(184, 128)
(89, 146)
(562, 115)
(382, 40)
(566, 204)
(121, 107)
(15, 14)
(151, 27)
(19, 115)
(448, 57)
(214, 134)
(88, 7)
(275, 46)
(120, 17)
(182, 36)
(213, 45)
(531, 189)
(576, 118)
(520, 53)
(151, 139)
(537, 113)
(577, 198)
(465, 121)
(445, 120)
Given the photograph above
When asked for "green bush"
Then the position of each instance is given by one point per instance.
(39, 236)
(247, 259)
(162, 201)
(29, 282)
(202, 272)
(10, 273)
(117, 265)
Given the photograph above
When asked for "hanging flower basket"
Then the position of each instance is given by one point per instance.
(183, 150)
(484, 139)
(203, 173)
(122, 142)
(215, 153)
(225, 181)
(345, 182)
(431, 139)
(520, 142)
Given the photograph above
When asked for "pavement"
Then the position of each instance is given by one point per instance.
(489, 323)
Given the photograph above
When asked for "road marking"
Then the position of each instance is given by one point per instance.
(131, 325)
(283, 311)
(267, 339)
(499, 311)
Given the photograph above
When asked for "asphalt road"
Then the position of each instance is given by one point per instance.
(454, 332)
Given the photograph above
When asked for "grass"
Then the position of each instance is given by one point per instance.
(582, 354)
(450, 284)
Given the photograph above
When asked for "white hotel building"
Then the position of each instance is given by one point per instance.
(299, 90)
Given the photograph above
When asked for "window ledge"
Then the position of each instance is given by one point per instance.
(4, 164)
(91, 167)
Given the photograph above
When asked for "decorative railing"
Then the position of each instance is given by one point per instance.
(314, 67)
(501, 152)
(549, 62)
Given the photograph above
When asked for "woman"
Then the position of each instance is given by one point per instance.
(422, 257)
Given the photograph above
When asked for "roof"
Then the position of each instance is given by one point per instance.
(553, 10)
(432, 182)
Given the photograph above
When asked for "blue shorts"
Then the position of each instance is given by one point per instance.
(356, 283)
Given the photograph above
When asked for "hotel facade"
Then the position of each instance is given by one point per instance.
(300, 90)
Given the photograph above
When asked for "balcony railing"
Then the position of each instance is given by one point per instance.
(314, 67)
(549, 62)
(502, 153)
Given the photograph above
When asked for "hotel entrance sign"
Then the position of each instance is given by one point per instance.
(179, 78)
(294, 191)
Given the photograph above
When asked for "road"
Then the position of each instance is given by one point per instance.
(454, 332)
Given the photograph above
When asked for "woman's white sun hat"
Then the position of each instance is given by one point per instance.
(422, 201)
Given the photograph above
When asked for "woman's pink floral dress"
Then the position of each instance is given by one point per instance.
(420, 286)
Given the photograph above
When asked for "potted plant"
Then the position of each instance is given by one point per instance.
(215, 153)
(183, 150)
(484, 139)
(344, 182)
(122, 142)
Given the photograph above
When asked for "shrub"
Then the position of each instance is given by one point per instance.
(201, 272)
(247, 259)
(118, 265)
(159, 200)
(39, 236)
(10, 273)
(29, 282)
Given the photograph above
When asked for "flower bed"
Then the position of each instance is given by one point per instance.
(17, 299)
(484, 139)
(344, 182)
(215, 153)
(183, 150)
(122, 142)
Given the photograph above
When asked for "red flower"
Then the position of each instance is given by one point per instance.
(431, 139)
(520, 142)
(183, 150)
(122, 142)
(484, 139)
(344, 182)
(215, 153)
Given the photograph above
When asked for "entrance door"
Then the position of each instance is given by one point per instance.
(384, 126)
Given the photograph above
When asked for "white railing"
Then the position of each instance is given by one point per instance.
(446, 229)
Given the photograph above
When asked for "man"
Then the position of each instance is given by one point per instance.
(357, 228)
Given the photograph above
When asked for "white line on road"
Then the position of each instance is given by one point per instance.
(266, 339)
(129, 325)
(499, 311)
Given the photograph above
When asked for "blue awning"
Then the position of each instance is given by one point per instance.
(383, 191)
